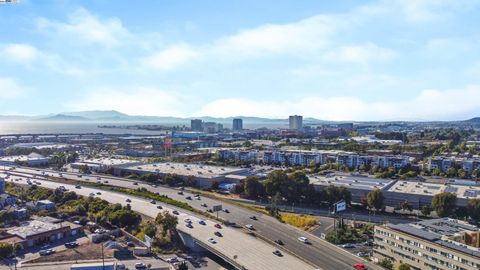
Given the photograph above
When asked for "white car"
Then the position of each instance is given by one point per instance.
(303, 239)
(211, 240)
(187, 220)
(249, 226)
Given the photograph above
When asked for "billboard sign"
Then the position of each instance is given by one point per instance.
(340, 206)
(217, 208)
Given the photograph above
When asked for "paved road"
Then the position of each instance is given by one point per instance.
(319, 253)
(252, 253)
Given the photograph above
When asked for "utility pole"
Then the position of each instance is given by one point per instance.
(103, 258)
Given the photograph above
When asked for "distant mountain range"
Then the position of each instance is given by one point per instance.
(112, 116)
(115, 116)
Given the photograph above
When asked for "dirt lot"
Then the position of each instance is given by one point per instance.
(82, 252)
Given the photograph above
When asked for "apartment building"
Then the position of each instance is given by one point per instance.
(444, 163)
(437, 244)
(305, 158)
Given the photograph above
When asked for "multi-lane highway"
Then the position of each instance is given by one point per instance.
(319, 253)
(249, 252)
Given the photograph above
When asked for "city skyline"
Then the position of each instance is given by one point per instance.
(350, 61)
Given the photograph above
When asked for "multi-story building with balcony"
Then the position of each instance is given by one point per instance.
(437, 244)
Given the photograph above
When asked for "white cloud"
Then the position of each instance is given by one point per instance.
(131, 100)
(427, 10)
(170, 58)
(361, 54)
(304, 36)
(22, 53)
(428, 105)
(10, 89)
(84, 26)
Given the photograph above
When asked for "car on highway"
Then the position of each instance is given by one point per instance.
(279, 242)
(202, 222)
(128, 200)
(210, 210)
(99, 193)
(277, 252)
(71, 244)
(249, 226)
(253, 217)
(303, 240)
(226, 210)
(135, 183)
(91, 194)
(46, 252)
(188, 198)
(153, 202)
(106, 181)
(348, 245)
(211, 240)
(219, 234)
(175, 212)
(159, 207)
(172, 260)
(218, 226)
(180, 193)
(204, 205)
(140, 266)
(360, 266)
(189, 225)
(78, 187)
(187, 220)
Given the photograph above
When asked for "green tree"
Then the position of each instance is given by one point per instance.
(276, 182)
(252, 187)
(6, 249)
(404, 266)
(375, 199)
(406, 206)
(474, 209)
(426, 210)
(333, 194)
(386, 263)
(124, 218)
(167, 221)
(444, 203)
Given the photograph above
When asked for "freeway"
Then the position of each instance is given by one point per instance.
(319, 252)
(249, 252)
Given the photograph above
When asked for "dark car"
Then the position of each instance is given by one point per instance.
(253, 218)
(175, 212)
(71, 244)
(277, 252)
(219, 234)
(159, 207)
(279, 242)
(188, 198)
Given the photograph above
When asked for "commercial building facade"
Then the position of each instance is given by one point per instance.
(237, 124)
(295, 122)
(437, 244)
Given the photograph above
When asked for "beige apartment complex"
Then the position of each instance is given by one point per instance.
(437, 244)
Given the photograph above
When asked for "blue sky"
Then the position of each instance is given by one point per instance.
(333, 60)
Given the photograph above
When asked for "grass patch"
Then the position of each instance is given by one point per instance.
(303, 222)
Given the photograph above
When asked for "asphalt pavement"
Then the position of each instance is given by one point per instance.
(319, 252)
